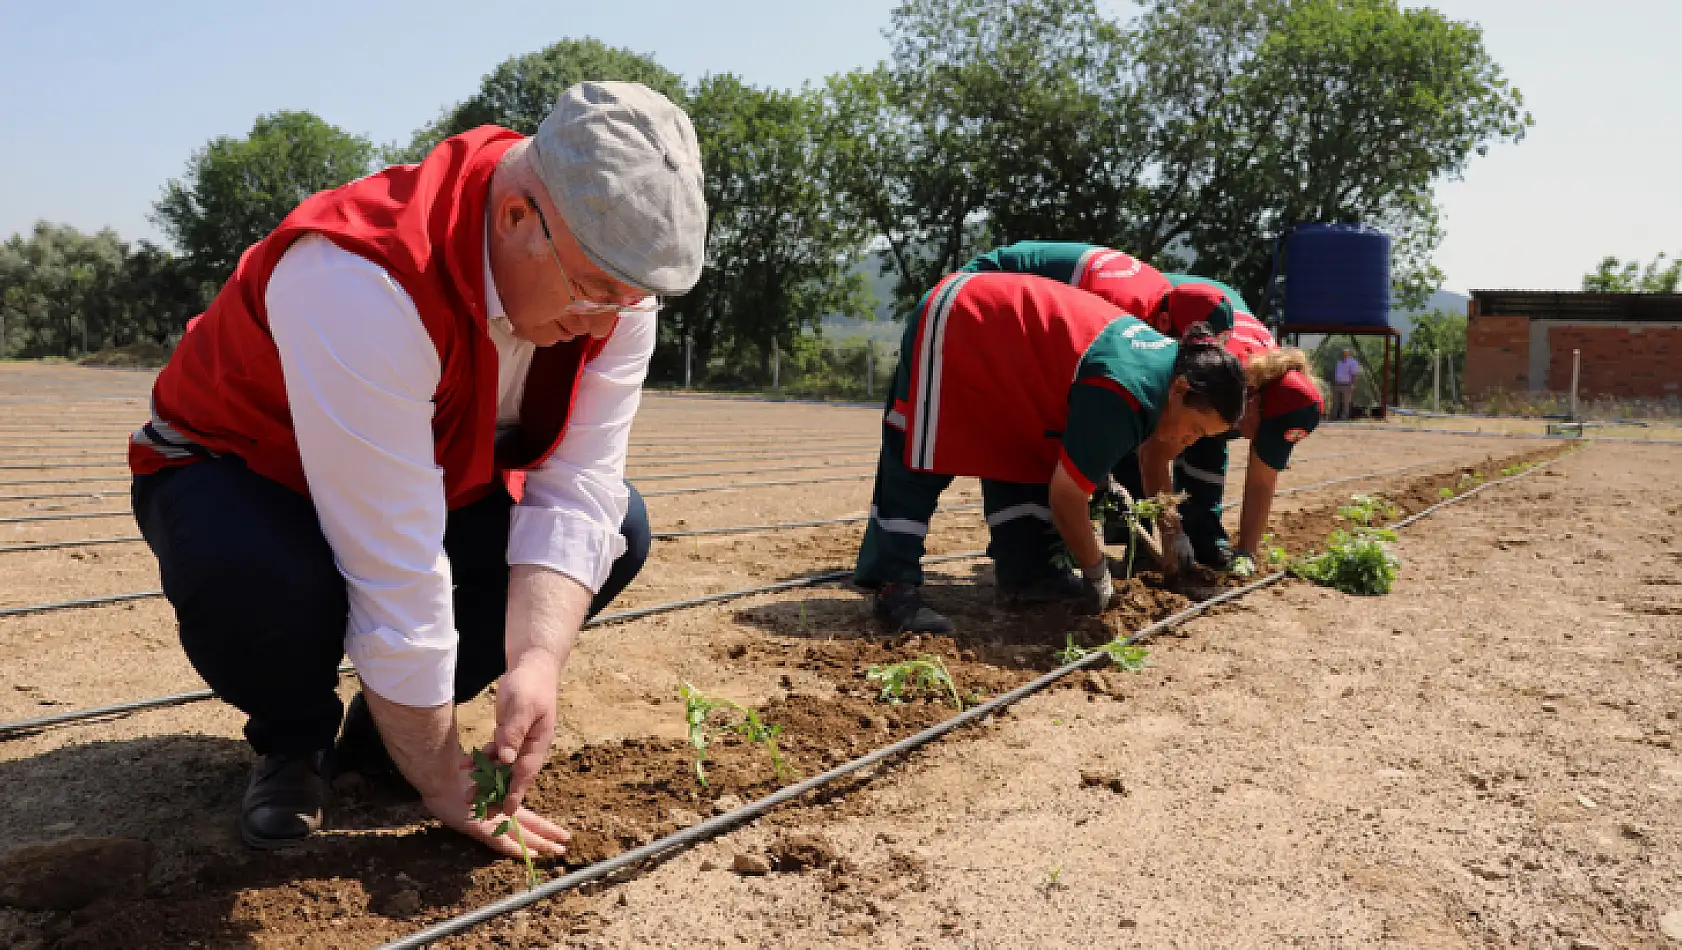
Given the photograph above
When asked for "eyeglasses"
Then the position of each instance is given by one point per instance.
(581, 304)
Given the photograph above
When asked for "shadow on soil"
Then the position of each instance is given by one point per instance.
(181, 794)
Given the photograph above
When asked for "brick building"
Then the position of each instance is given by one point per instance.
(1521, 341)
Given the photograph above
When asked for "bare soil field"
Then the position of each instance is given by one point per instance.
(1485, 758)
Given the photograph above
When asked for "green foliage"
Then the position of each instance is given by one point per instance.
(1358, 562)
(1617, 277)
(1123, 656)
(519, 92)
(1363, 510)
(698, 710)
(235, 190)
(65, 293)
(779, 254)
(926, 674)
(1436, 332)
(490, 788)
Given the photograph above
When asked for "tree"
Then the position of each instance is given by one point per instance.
(1438, 334)
(1339, 111)
(984, 126)
(1616, 277)
(235, 191)
(65, 293)
(520, 93)
(778, 257)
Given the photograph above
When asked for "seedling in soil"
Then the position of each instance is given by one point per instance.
(1123, 656)
(698, 708)
(490, 783)
(1354, 563)
(927, 673)
(1141, 511)
(1365, 509)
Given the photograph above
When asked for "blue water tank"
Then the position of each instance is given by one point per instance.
(1337, 274)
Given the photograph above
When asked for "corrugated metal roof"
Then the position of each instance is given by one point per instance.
(1577, 305)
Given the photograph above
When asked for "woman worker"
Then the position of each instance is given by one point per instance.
(1284, 408)
(1287, 402)
(1120, 278)
(1038, 389)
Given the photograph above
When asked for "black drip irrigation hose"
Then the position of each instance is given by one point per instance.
(11, 729)
(69, 517)
(697, 490)
(80, 602)
(55, 545)
(67, 481)
(716, 826)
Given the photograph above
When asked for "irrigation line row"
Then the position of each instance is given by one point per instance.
(699, 489)
(716, 826)
(54, 545)
(10, 729)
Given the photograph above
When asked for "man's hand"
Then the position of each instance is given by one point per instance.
(525, 721)
(453, 807)
(545, 612)
(424, 744)
(1100, 588)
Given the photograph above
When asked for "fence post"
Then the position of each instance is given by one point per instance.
(688, 360)
(776, 367)
(1436, 380)
(869, 369)
(1576, 376)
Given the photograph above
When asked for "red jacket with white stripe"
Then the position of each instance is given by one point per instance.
(223, 392)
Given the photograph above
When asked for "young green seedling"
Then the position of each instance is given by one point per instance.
(1365, 509)
(1141, 511)
(927, 673)
(1354, 563)
(698, 709)
(490, 784)
(1123, 656)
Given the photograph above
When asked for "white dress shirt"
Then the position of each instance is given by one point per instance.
(360, 374)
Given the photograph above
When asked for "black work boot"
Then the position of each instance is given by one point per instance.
(361, 750)
(901, 607)
(286, 800)
(1044, 589)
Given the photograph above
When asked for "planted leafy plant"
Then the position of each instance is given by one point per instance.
(927, 673)
(698, 709)
(1358, 562)
(1365, 509)
(490, 784)
(1122, 656)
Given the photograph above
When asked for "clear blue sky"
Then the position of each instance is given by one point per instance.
(104, 101)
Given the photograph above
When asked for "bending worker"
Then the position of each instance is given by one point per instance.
(1039, 390)
(1284, 408)
(1286, 403)
(399, 432)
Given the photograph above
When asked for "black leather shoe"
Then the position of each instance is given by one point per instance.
(285, 802)
(361, 750)
(901, 607)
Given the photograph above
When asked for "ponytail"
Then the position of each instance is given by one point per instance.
(1214, 378)
(1268, 367)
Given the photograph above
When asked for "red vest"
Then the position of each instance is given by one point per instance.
(1123, 280)
(223, 391)
(994, 357)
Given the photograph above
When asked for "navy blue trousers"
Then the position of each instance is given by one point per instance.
(263, 608)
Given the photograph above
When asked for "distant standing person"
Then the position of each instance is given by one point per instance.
(399, 433)
(1343, 385)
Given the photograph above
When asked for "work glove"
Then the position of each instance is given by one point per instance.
(1243, 565)
(1177, 551)
(1100, 589)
